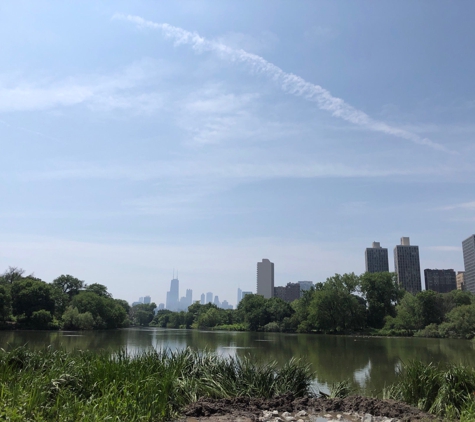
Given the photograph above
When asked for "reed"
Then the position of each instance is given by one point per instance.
(154, 385)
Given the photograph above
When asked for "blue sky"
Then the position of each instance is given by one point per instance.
(139, 137)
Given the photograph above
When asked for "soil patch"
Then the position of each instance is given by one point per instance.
(245, 408)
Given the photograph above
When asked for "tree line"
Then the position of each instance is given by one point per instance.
(371, 303)
(69, 303)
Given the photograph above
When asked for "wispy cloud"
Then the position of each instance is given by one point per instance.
(98, 92)
(288, 82)
(445, 248)
(463, 206)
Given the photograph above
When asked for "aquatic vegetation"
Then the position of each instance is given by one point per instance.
(150, 386)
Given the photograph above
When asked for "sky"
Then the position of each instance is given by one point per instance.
(141, 138)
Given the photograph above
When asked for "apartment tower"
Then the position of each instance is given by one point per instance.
(441, 281)
(407, 266)
(468, 246)
(265, 278)
(376, 259)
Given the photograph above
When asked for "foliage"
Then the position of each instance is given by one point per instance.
(444, 390)
(151, 386)
(5, 302)
(31, 295)
(382, 293)
(73, 320)
(142, 314)
(341, 389)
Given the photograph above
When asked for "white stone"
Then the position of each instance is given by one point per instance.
(367, 418)
(285, 414)
(338, 416)
(327, 416)
(301, 413)
(299, 420)
(275, 412)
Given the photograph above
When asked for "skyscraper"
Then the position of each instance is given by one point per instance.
(441, 281)
(203, 298)
(304, 286)
(376, 259)
(172, 295)
(209, 297)
(407, 266)
(189, 297)
(239, 296)
(460, 279)
(468, 246)
(265, 278)
(147, 300)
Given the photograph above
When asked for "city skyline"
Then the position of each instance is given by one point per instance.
(202, 135)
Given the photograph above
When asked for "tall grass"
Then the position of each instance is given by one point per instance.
(55, 385)
(444, 390)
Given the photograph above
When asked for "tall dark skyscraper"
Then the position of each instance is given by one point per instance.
(407, 266)
(173, 295)
(376, 259)
(468, 246)
(441, 281)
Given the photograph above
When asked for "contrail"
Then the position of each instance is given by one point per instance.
(288, 82)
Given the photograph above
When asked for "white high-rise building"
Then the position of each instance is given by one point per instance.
(203, 298)
(265, 278)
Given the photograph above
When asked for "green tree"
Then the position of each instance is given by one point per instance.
(142, 314)
(382, 293)
(74, 320)
(430, 308)
(98, 289)
(41, 320)
(252, 309)
(460, 323)
(5, 302)
(334, 307)
(29, 296)
(65, 287)
(11, 275)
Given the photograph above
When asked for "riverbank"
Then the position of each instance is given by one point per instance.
(164, 385)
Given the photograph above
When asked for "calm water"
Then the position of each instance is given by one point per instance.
(369, 362)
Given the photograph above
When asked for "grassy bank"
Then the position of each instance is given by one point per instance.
(151, 386)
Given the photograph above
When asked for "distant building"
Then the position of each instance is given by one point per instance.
(407, 266)
(216, 301)
(245, 294)
(147, 300)
(265, 278)
(441, 281)
(239, 296)
(141, 299)
(279, 291)
(288, 293)
(173, 295)
(209, 297)
(203, 299)
(226, 305)
(161, 306)
(305, 286)
(460, 280)
(468, 246)
(376, 259)
(189, 297)
(136, 303)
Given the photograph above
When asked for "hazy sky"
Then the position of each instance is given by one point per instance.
(142, 136)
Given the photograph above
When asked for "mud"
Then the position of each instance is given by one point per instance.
(249, 409)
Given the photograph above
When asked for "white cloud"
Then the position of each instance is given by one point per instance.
(445, 248)
(288, 82)
(462, 206)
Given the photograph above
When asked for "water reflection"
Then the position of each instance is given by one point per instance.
(369, 363)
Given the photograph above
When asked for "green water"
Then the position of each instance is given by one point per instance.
(369, 362)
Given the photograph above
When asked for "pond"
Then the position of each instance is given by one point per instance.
(369, 362)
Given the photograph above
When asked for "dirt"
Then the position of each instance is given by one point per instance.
(354, 407)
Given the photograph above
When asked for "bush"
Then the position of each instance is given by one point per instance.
(41, 320)
(74, 320)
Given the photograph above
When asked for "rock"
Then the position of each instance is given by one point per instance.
(367, 418)
(301, 413)
(327, 416)
(275, 412)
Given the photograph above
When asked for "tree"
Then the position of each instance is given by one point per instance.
(253, 311)
(11, 275)
(98, 289)
(460, 323)
(334, 307)
(142, 314)
(430, 308)
(5, 302)
(382, 293)
(29, 296)
(64, 288)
